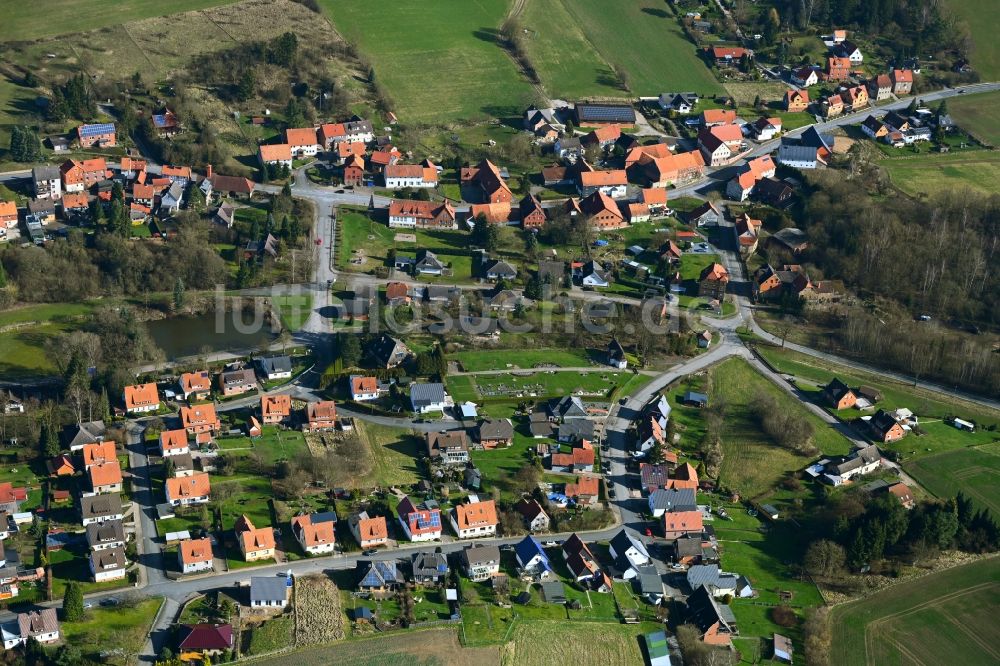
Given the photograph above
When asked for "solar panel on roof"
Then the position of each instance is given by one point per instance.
(607, 113)
(100, 128)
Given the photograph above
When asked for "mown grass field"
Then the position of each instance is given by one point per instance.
(439, 61)
(645, 39)
(932, 173)
(977, 114)
(974, 472)
(124, 628)
(474, 361)
(984, 22)
(752, 463)
(548, 643)
(943, 618)
(27, 332)
(56, 17)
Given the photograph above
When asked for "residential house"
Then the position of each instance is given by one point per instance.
(580, 459)
(411, 175)
(8, 215)
(275, 367)
(720, 143)
(649, 584)
(315, 532)
(475, 519)
(255, 543)
(591, 274)
(499, 270)
(790, 279)
(838, 395)
(105, 477)
(902, 81)
(73, 204)
(790, 238)
(796, 100)
(177, 174)
(704, 215)
(380, 159)
(419, 523)
(47, 182)
(98, 453)
(568, 147)
(356, 130)
(629, 553)
(765, 129)
(194, 555)
(102, 536)
(717, 117)
(565, 408)
(275, 408)
(270, 591)
(880, 87)
(805, 76)
(302, 141)
(101, 135)
(755, 170)
(838, 69)
(747, 231)
(397, 293)
(481, 562)
(387, 352)
(903, 493)
(672, 500)
(425, 398)
(585, 491)
(141, 398)
(531, 212)
(653, 477)
(833, 106)
(875, 128)
(368, 531)
(679, 523)
(856, 97)
(715, 621)
(354, 171)
(321, 415)
(408, 214)
(683, 102)
(363, 388)
(172, 198)
(100, 508)
(200, 419)
(379, 577)
(231, 186)
(576, 430)
(448, 448)
(599, 115)
(206, 640)
(61, 465)
(494, 433)
(719, 583)
(108, 564)
(611, 183)
(531, 559)
(41, 626)
(429, 568)
(534, 515)
(848, 49)
(859, 462)
(41, 212)
(184, 490)
(196, 385)
(773, 192)
(885, 428)
(486, 176)
(278, 154)
(727, 55)
(686, 476)
(583, 565)
(237, 382)
(602, 212)
(713, 281)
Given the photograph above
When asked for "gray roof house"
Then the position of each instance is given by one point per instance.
(427, 397)
(109, 534)
(387, 351)
(275, 367)
(428, 264)
(573, 430)
(568, 407)
(500, 270)
(269, 591)
(85, 433)
(101, 508)
(673, 500)
(429, 567)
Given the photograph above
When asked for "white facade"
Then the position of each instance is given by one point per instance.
(403, 181)
(53, 187)
(316, 549)
(175, 451)
(402, 222)
(305, 150)
(362, 397)
(102, 519)
(72, 187)
(472, 532)
(195, 567)
(425, 536)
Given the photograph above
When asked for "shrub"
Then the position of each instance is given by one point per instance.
(783, 616)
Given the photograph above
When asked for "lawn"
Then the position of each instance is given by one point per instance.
(932, 173)
(977, 115)
(984, 22)
(501, 359)
(543, 642)
(272, 635)
(931, 408)
(551, 383)
(975, 472)
(122, 628)
(57, 17)
(294, 310)
(753, 464)
(943, 618)
(462, 388)
(376, 455)
(645, 39)
(439, 61)
(73, 563)
(26, 332)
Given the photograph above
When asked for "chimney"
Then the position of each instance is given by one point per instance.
(208, 172)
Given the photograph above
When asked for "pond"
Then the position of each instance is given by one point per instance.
(188, 336)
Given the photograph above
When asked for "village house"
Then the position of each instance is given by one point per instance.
(532, 562)
(856, 97)
(717, 117)
(885, 428)
(419, 523)
(270, 591)
(657, 150)
(47, 182)
(379, 578)
(231, 186)
(105, 477)
(200, 419)
(302, 141)
(713, 281)
(194, 555)
(101, 135)
(765, 129)
(426, 398)
(494, 433)
(315, 532)
(205, 640)
(448, 448)
(796, 100)
(320, 415)
(184, 490)
(354, 171)
(585, 491)
(363, 388)
(481, 562)
(861, 461)
(237, 382)
(838, 395)
(602, 137)
(429, 568)
(715, 621)
(741, 187)
(535, 518)
(475, 519)
(805, 76)
(832, 106)
(671, 500)
(720, 584)
(255, 543)
(880, 87)
(682, 102)
(771, 283)
(531, 213)
(602, 212)
(411, 175)
(720, 143)
(387, 352)
(100, 508)
(195, 385)
(369, 532)
(409, 214)
(356, 130)
(279, 154)
(611, 183)
(275, 408)
(902, 81)
(583, 565)
(487, 178)
(848, 49)
(41, 626)
(580, 459)
(679, 523)
(109, 564)
(98, 453)
(141, 398)
(102, 536)
(628, 553)
(837, 69)
(747, 231)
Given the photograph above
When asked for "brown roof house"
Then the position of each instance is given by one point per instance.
(713, 282)
(321, 415)
(449, 448)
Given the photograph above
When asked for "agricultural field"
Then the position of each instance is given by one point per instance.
(932, 173)
(977, 115)
(811, 374)
(439, 61)
(646, 40)
(57, 17)
(947, 617)
(752, 464)
(975, 472)
(984, 22)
